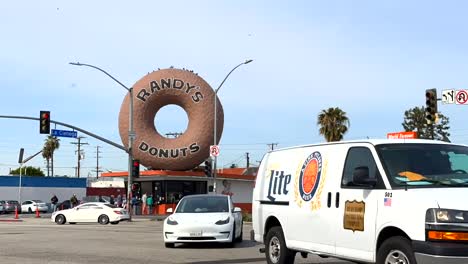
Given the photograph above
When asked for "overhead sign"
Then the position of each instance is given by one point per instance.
(402, 135)
(214, 150)
(64, 133)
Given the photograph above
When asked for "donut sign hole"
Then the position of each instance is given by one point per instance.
(171, 121)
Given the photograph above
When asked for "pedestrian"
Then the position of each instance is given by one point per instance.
(149, 203)
(112, 201)
(54, 201)
(134, 204)
(143, 200)
(74, 201)
(119, 200)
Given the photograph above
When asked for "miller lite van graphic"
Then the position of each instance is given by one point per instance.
(372, 201)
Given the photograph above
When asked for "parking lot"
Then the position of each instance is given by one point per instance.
(37, 240)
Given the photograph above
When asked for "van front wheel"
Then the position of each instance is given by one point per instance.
(276, 251)
(396, 250)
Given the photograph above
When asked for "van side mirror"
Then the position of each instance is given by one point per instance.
(169, 210)
(361, 177)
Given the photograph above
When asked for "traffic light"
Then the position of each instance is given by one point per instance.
(208, 168)
(431, 104)
(136, 168)
(44, 122)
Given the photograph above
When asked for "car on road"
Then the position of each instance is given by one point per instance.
(10, 205)
(30, 206)
(64, 205)
(2, 207)
(102, 213)
(203, 218)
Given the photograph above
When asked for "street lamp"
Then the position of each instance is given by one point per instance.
(131, 134)
(215, 119)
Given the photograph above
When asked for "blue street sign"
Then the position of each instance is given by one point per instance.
(64, 133)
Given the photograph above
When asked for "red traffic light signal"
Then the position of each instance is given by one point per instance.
(136, 168)
(44, 122)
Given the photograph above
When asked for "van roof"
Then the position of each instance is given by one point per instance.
(371, 141)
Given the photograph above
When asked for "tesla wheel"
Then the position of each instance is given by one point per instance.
(115, 223)
(276, 251)
(60, 219)
(169, 245)
(103, 219)
(233, 237)
(29, 210)
(240, 238)
(396, 250)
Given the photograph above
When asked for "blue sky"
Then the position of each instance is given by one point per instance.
(373, 59)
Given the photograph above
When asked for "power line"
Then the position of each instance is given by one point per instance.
(79, 153)
(97, 170)
(272, 145)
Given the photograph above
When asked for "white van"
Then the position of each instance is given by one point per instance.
(372, 201)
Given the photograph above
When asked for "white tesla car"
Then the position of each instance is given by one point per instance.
(203, 218)
(31, 205)
(102, 213)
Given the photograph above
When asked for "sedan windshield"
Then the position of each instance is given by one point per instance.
(425, 165)
(203, 204)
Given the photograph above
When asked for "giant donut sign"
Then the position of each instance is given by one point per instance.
(165, 87)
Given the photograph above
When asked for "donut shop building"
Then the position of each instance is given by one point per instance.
(168, 187)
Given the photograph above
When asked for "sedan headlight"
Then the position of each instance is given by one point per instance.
(223, 222)
(446, 216)
(171, 221)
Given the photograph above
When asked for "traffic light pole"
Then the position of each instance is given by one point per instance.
(131, 134)
(130, 155)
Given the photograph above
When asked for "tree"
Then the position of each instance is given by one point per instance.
(28, 170)
(415, 120)
(50, 145)
(333, 123)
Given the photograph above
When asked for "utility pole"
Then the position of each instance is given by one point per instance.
(248, 159)
(79, 143)
(97, 161)
(272, 145)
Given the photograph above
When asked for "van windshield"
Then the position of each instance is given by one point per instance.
(425, 165)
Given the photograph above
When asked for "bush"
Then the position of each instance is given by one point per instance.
(246, 217)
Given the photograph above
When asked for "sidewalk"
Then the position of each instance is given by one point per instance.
(149, 217)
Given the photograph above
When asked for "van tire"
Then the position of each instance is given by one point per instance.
(398, 246)
(275, 239)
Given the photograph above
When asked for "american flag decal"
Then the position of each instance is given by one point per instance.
(387, 201)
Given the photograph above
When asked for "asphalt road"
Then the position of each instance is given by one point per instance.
(37, 240)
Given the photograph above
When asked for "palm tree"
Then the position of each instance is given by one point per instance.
(51, 144)
(333, 123)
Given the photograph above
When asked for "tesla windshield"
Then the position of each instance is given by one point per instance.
(425, 165)
(203, 204)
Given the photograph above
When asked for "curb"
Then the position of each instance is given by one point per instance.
(11, 220)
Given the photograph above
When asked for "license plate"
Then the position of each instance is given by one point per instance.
(196, 234)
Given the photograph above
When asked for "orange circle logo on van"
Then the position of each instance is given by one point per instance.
(309, 177)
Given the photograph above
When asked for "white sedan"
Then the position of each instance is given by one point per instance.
(203, 218)
(102, 213)
(30, 206)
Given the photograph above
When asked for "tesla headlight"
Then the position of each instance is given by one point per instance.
(170, 221)
(446, 216)
(223, 222)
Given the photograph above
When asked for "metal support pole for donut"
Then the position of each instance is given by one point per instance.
(131, 133)
(215, 137)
